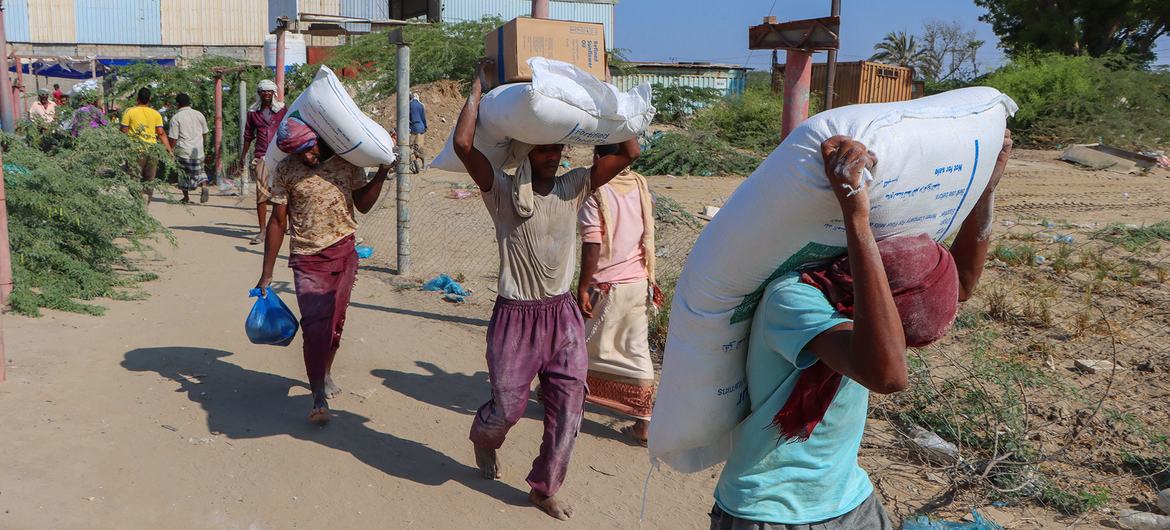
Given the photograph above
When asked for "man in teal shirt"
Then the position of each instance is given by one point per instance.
(821, 341)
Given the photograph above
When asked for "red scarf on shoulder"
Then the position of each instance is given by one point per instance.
(925, 285)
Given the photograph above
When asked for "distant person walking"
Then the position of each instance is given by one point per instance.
(187, 128)
(43, 112)
(89, 116)
(418, 128)
(263, 118)
(146, 125)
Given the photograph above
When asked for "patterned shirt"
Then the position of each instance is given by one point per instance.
(319, 199)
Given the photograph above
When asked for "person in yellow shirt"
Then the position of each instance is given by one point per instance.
(145, 124)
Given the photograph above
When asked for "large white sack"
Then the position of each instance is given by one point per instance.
(935, 155)
(327, 108)
(562, 105)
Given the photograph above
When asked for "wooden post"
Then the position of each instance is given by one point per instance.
(797, 81)
(831, 73)
(218, 127)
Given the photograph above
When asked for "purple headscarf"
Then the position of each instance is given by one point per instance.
(294, 136)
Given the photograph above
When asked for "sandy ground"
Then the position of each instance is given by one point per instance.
(161, 414)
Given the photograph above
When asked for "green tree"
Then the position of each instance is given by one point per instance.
(1079, 27)
(900, 49)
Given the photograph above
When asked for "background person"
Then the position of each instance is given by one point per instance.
(187, 128)
(264, 117)
(145, 125)
(616, 292)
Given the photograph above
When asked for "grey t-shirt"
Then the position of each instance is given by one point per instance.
(187, 127)
(536, 253)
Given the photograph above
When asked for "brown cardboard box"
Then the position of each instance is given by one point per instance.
(511, 45)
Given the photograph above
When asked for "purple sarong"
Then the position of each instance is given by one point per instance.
(525, 340)
(323, 282)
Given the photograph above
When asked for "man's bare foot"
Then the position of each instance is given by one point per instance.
(638, 432)
(320, 413)
(331, 388)
(551, 505)
(489, 465)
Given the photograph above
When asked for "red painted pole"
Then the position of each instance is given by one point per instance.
(280, 32)
(5, 251)
(797, 79)
(539, 8)
(219, 127)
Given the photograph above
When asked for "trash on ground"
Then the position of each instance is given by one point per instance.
(453, 298)
(1101, 156)
(931, 446)
(364, 251)
(925, 523)
(1135, 520)
(445, 284)
(1092, 366)
(460, 194)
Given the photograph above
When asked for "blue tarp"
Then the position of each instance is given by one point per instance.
(49, 69)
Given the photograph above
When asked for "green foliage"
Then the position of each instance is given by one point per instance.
(448, 50)
(670, 211)
(1082, 99)
(749, 121)
(900, 49)
(676, 103)
(1134, 239)
(660, 321)
(693, 153)
(74, 213)
(198, 81)
(1078, 27)
(1015, 255)
(1072, 501)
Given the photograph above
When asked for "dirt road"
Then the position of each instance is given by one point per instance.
(161, 414)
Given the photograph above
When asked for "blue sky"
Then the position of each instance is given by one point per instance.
(716, 30)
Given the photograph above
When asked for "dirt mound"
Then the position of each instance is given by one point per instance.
(443, 100)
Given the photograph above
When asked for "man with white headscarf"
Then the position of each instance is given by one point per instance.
(263, 118)
(536, 329)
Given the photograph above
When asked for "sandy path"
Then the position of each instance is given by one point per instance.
(162, 415)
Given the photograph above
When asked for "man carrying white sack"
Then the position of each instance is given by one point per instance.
(536, 329)
(616, 292)
(823, 338)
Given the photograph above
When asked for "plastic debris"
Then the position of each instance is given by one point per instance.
(1092, 366)
(453, 298)
(1039, 260)
(1135, 520)
(446, 285)
(460, 194)
(1066, 239)
(925, 523)
(931, 446)
(364, 251)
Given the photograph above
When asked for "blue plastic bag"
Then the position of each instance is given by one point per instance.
(924, 523)
(364, 251)
(270, 321)
(445, 284)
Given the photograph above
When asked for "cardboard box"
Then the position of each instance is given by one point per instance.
(511, 45)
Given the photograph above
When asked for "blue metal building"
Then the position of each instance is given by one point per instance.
(729, 79)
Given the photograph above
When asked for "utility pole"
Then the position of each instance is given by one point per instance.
(402, 190)
(539, 8)
(281, 30)
(243, 125)
(831, 73)
(7, 120)
(5, 251)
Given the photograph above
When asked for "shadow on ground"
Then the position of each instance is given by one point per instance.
(465, 393)
(246, 404)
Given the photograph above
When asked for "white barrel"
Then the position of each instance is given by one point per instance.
(295, 53)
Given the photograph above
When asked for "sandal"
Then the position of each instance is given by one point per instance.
(204, 195)
(628, 430)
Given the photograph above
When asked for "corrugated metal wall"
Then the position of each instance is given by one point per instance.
(866, 82)
(320, 7)
(728, 82)
(52, 21)
(463, 10)
(214, 22)
(367, 9)
(16, 20)
(121, 22)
